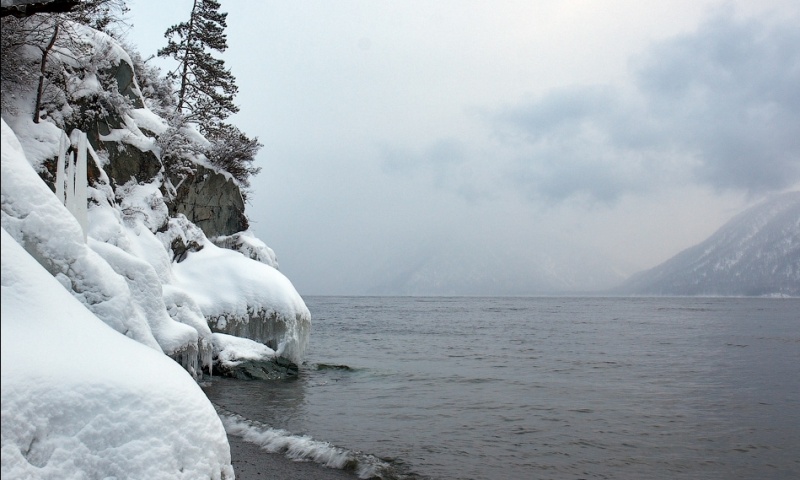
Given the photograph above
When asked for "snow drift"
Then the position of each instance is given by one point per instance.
(79, 397)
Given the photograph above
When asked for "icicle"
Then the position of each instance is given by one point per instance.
(62, 150)
(205, 355)
(81, 185)
(69, 199)
(72, 188)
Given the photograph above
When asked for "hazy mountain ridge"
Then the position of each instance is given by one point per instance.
(757, 253)
(467, 266)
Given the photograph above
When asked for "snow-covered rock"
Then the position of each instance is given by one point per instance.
(242, 297)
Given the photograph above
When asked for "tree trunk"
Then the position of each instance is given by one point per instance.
(185, 72)
(42, 69)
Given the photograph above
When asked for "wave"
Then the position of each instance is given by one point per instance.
(332, 366)
(305, 448)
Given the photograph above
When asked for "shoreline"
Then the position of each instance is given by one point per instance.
(250, 462)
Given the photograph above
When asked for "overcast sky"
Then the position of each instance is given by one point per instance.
(580, 136)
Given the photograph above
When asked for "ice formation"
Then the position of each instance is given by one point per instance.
(72, 179)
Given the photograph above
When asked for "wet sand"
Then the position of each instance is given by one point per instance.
(250, 462)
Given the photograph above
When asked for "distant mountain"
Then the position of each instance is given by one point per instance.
(757, 253)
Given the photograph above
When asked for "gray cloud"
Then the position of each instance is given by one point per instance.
(574, 142)
(449, 164)
(562, 112)
(440, 156)
(722, 103)
(730, 93)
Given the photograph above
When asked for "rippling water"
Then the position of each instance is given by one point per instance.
(539, 388)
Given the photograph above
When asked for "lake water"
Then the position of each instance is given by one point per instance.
(543, 388)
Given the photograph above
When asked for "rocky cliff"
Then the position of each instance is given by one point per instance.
(166, 257)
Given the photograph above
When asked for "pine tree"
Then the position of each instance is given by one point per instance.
(234, 152)
(206, 88)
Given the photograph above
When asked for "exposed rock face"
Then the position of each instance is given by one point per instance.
(127, 162)
(211, 201)
(125, 84)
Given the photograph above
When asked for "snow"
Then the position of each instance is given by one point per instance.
(231, 351)
(145, 118)
(40, 140)
(34, 217)
(79, 400)
(145, 290)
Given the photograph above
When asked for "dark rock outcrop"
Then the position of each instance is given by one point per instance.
(127, 162)
(210, 200)
(126, 84)
(273, 369)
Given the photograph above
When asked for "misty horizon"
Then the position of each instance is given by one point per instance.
(576, 143)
